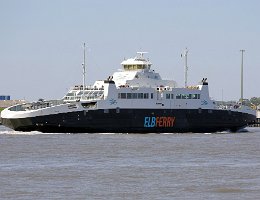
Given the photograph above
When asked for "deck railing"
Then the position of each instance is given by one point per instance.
(36, 105)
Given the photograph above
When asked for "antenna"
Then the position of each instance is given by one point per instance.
(141, 53)
(84, 69)
(186, 67)
(242, 75)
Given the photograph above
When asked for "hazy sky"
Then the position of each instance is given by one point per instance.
(41, 43)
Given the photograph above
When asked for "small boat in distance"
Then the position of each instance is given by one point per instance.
(133, 100)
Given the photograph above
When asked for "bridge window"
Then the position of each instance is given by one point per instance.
(136, 67)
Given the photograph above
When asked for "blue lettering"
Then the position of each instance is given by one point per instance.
(153, 122)
(147, 122)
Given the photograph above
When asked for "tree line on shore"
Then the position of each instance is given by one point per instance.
(253, 102)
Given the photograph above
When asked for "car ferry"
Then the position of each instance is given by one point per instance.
(134, 99)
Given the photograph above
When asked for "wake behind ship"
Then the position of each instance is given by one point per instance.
(133, 100)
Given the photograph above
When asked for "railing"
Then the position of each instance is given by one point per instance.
(80, 87)
(229, 107)
(238, 107)
(78, 98)
(89, 94)
(36, 105)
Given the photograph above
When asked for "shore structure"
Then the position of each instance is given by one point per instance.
(257, 124)
(134, 99)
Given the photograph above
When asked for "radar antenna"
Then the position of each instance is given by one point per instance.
(141, 53)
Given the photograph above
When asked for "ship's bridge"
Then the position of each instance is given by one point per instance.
(137, 72)
(137, 63)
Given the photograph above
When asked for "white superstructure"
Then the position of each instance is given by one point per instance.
(138, 86)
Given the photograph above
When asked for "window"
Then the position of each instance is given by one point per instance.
(140, 95)
(184, 96)
(123, 95)
(178, 96)
(134, 95)
(168, 96)
(129, 96)
(71, 94)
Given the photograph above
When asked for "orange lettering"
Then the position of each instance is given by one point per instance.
(164, 121)
(157, 121)
(169, 121)
(160, 122)
(173, 120)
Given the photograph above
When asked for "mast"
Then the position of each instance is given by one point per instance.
(186, 67)
(242, 74)
(84, 69)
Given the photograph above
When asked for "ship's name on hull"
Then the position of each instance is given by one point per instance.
(159, 121)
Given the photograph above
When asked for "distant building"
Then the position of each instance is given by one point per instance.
(5, 97)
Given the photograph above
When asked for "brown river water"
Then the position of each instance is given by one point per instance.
(217, 166)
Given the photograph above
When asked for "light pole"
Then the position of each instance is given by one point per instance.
(84, 69)
(242, 78)
(186, 68)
